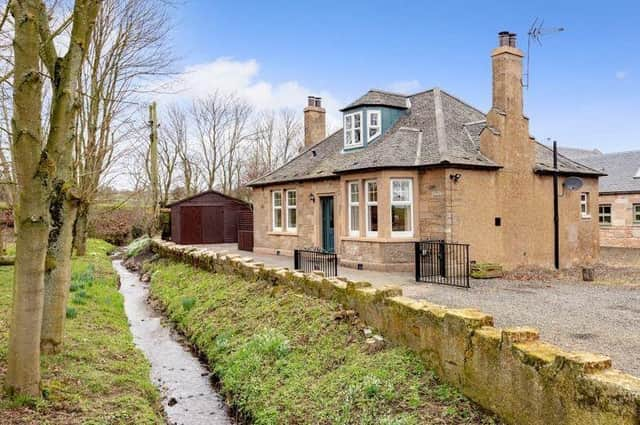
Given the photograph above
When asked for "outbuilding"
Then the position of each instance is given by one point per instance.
(208, 217)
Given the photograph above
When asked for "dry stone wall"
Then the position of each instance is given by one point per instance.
(508, 371)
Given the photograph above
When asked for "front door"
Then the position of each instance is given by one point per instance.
(326, 203)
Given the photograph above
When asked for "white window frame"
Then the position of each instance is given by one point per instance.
(291, 207)
(584, 205)
(352, 131)
(350, 203)
(601, 214)
(368, 203)
(635, 210)
(275, 208)
(392, 203)
(377, 127)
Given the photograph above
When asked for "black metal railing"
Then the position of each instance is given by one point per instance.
(310, 260)
(441, 262)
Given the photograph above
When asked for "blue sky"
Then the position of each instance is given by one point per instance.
(585, 82)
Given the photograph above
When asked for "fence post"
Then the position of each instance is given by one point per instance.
(442, 257)
(296, 260)
(417, 262)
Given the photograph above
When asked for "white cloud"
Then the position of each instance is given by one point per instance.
(405, 87)
(228, 75)
(621, 75)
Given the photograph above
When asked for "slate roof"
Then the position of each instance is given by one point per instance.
(379, 98)
(437, 129)
(544, 163)
(621, 169)
(577, 154)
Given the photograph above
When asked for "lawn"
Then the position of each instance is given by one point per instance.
(283, 358)
(100, 378)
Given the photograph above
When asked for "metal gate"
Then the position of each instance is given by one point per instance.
(445, 263)
(309, 260)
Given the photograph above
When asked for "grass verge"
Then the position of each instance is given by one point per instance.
(282, 358)
(100, 377)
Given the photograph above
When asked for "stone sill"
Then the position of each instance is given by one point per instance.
(282, 234)
(377, 240)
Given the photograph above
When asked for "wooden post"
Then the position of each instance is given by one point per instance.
(153, 167)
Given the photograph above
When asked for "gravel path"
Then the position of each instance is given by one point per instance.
(576, 316)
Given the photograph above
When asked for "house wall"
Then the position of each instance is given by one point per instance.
(623, 232)
(525, 235)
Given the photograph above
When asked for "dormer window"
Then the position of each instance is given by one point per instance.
(373, 124)
(353, 130)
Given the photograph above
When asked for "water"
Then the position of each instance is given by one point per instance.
(174, 369)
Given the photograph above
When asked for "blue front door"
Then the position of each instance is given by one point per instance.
(326, 203)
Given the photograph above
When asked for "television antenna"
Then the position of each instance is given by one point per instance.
(536, 32)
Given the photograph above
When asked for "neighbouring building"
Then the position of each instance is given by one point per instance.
(428, 166)
(619, 200)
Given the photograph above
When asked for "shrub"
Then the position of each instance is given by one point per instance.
(188, 303)
(138, 246)
(117, 226)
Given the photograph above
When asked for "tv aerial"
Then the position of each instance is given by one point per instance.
(535, 34)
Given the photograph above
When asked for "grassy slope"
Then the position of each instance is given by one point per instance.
(282, 358)
(100, 378)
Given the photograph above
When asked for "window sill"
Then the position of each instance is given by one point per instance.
(378, 239)
(585, 217)
(282, 233)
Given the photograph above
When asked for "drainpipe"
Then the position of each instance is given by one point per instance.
(556, 215)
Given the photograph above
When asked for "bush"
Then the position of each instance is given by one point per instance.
(71, 313)
(117, 226)
(138, 246)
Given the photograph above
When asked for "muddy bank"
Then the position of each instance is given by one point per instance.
(188, 396)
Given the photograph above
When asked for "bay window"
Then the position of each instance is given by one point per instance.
(373, 125)
(372, 207)
(353, 130)
(354, 209)
(401, 208)
(276, 210)
(291, 211)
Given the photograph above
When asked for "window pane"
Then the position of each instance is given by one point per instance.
(354, 192)
(373, 119)
(355, 225)
(291, 198)
(373, 218)
(401, 218)
(291, 218)
(401, 191)
(277, 199)
(277, 217)
(348, 139)
(356, 121)
(636, 213)
(372, 131)
(372, 191)
(356, 136)
(347, 122)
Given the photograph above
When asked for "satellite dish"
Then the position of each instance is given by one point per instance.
(573, 183)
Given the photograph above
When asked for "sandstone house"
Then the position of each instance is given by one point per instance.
(619, 200)
(428, 166)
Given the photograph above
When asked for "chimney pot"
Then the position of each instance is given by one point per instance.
(314, 121)
(503, 38)
(512, 39)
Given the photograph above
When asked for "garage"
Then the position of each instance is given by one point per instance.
(206, 218)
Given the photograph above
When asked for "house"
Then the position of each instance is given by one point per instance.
(619, 199)
(406, 168)
(208, 217)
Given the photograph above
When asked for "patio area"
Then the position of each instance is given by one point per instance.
(573, 315)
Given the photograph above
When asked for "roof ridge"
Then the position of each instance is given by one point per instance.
(388, 92)
(462, 102)
(441, 132)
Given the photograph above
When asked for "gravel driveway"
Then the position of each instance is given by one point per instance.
(576, 316)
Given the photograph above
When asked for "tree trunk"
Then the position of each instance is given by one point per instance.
(57, 274)
(81, 230)
(33, 168)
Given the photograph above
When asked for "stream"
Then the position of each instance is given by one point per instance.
(188, 397)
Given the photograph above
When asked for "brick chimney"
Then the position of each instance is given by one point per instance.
(314, 121)
(508, 143)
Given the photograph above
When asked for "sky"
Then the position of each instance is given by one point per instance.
(584, 82)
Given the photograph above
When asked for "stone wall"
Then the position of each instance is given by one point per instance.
(508, 371)
(623, 231)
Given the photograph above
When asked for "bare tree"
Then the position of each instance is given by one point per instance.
(234, 137)
(45, 206)
(175, 131)
(129, 45)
